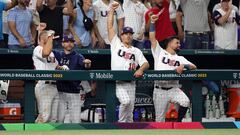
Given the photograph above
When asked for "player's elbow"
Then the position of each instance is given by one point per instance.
(147, 65)
(193, 67)
(45, 53)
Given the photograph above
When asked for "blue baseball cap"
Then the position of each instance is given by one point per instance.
(67, 38)
(127, 30)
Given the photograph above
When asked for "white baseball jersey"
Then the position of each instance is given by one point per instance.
(41, 63)
(226, 35)
(166, 61)
(101, 13)
(134, 16)
(123, 58)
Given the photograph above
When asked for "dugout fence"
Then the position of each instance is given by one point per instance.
(195, 78)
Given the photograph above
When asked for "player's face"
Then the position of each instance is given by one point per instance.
(127, 38)
(68, 46)
(175, 45)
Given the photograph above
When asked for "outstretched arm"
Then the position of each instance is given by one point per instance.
(47, 49)
(181, 68)
(139, 72)
(152, 32)
(111, 32)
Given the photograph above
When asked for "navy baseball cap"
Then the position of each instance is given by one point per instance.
(127, 30)
(67, 38)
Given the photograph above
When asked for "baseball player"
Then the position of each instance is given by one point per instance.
(86, 88)
(45, 91)
(69, 96)
(167, 59)
(125, 57)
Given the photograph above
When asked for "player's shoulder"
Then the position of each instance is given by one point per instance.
(37, 49)
(180, 57)
(137, 50)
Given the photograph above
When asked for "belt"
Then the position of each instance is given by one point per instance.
(196, 33)
(50, 82)
(163, 88)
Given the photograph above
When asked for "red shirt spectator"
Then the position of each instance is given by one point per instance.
(163, 25)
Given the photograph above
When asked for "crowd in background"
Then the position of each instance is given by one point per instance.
(200, 24)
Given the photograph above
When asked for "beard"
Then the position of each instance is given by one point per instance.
(177, 50)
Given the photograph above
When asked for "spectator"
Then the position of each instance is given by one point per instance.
(20, 22)
(196, 23)
(52, 15)
(101, 8)
(83, 36)
(4, 6)
(225, 32)
(163, 24)
(134, 12)
(174, 4)
(179, 22)
(147, 3)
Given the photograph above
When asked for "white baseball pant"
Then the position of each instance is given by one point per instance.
(125, 92)
(161, 99)
(69, 103)
(47, 101)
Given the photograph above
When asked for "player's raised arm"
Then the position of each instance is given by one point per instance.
(111, 31)
(47, 49)
(152, 38)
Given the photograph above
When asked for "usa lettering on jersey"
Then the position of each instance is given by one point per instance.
(64, 61)
(170, 62)
(126, 55)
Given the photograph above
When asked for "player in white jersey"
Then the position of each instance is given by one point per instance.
(45, 91)
(167, 59)
(101, 8)
(125, 57)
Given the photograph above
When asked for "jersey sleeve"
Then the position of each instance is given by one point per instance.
(57, 55)
(141, 58)
(115, 42)
(80, 60)
(216, 16)
(157, 50)
(37, 52)
(185, 61)
(120, 13)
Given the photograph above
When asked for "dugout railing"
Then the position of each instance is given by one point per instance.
(195, 77)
